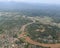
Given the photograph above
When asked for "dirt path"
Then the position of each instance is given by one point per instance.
(29, 40)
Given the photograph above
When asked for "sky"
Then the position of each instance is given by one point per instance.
(34, 1)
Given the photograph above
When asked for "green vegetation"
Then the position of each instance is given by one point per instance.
(22, 39)
(1, 31)
(27, 34)
(11, 23)
(49, 32)
(15, 36)
(20, 32)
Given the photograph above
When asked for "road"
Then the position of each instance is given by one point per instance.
(29, 40)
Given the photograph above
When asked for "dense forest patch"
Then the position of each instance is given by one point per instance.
(44, 33)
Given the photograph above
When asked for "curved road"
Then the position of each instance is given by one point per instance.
(29, 40)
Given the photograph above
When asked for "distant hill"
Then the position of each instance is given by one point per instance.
(31, 9)
(21, 6)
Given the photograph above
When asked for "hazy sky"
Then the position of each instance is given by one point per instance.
(35, 1)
